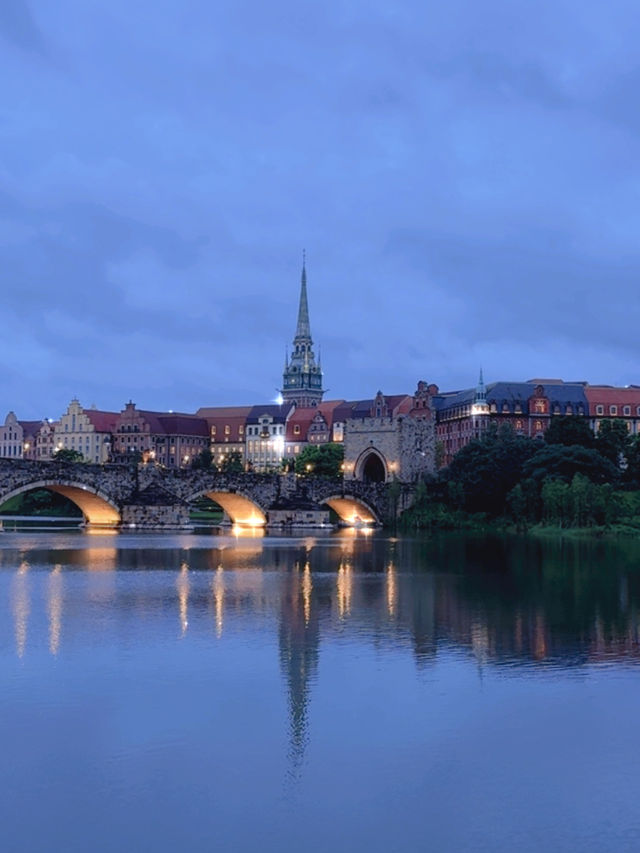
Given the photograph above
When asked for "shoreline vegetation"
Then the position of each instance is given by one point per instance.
(572, 482)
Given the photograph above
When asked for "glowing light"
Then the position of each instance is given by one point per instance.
(307, 587)
(279, 400)
(218, 598)
(183, 597)
(391, 589)
(343, 583)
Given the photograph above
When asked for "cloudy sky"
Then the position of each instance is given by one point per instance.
(464, 176)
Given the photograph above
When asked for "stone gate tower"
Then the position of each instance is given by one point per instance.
(302, 377)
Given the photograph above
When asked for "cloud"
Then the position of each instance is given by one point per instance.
(464, 177)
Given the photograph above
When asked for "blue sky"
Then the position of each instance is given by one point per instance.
(464, 176)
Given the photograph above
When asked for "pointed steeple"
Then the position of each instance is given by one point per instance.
(481, 391)
(303, 329)
(302, 377)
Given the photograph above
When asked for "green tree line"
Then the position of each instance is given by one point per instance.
(572, 478)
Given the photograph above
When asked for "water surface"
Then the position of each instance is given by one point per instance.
(351, 692)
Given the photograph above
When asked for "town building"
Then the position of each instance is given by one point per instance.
(302, 375)
(391, 438)
(527, 406)
(227, 426)
(18, 438)
(265, 437)
(312, 425)
(44, 440)
(167, 438)
(608, 401)
(87, 431)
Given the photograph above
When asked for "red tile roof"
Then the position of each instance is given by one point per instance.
(102, 421)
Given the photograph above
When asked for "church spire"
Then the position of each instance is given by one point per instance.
(302, 376)
(303, 329)
(481, 391)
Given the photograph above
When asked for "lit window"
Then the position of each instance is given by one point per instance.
(539, 407)
(296, 429)
(227, 430)
(538, 425)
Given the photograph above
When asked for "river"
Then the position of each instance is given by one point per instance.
(351, 692)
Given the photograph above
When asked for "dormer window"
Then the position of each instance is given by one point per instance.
(613, 410)
(296, 429)
(599, 409)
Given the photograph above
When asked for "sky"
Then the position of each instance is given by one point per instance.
(464, 177)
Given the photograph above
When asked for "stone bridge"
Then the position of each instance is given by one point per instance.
(114, 495)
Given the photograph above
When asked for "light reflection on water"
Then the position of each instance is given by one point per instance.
(335, 692)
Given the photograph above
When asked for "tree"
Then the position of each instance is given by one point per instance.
(613, 440)
(64, 454)
(232, 463)
(204, 460)
(322, 460)
(488, 468)
(570, 430)
(563, 463)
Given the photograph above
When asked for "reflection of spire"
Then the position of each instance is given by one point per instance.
(183, 596)
(299, 636)
(218, 598)
(21, 606)
(55, 608)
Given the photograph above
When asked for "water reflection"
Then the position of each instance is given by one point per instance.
(227, 666)
(55, 608)
(21, 606)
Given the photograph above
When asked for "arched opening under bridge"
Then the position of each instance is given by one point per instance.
(240, 509)
(352, 511)
(98, 510)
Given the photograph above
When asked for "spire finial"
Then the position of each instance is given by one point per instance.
(303, 330)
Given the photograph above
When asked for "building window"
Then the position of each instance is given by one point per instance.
(599, 410)
(227, 430)
(626, 410)
(538, 425)
(296, 429)
(613, 410)
(539, 407)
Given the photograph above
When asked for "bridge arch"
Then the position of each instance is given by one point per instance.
(242, 510)
(352, 510)
(371, 466)
(97, 508)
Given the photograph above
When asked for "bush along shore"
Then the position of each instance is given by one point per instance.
(572, 480)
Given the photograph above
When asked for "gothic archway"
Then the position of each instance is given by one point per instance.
(371, 467)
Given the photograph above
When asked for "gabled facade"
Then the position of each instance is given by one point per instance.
(87, 431)
(169, 439)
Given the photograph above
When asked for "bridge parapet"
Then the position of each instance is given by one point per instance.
(241, 495)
